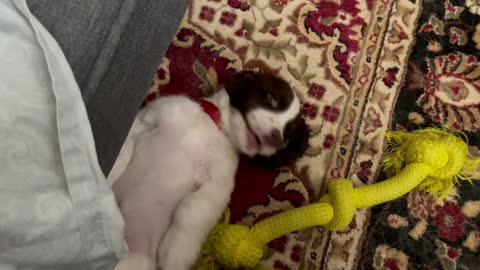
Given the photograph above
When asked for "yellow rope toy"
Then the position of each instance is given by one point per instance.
(431, 159)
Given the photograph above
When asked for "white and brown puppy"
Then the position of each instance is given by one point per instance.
(175, 173)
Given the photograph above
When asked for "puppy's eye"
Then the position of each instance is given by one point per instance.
(272, 101)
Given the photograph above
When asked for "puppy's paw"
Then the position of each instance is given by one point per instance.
(137, 262)
(178, 251)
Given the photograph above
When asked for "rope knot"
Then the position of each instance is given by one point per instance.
(445, 154)
(441, 150)
(429, 152)
(236, 248)
(342, 199)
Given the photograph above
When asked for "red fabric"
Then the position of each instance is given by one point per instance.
(212, 111)
(253, 184)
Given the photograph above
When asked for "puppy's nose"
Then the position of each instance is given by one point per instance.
(275, 138)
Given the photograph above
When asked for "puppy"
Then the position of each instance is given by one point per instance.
(175, 172)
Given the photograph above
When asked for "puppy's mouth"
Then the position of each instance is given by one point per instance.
(257, 139)
(252, 138)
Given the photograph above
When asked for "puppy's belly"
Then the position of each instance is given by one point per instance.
(152, 186)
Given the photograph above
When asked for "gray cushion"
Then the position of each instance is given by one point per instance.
(113, 47)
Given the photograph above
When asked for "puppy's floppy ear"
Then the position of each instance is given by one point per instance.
(296, 147)
(241, 80)
(239, 84)
(243, 76)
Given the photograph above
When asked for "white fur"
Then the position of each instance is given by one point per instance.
(174, 177)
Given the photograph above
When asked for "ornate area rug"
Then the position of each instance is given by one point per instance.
(442, 88)
(349, 63)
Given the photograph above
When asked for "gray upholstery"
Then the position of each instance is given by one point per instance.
(113, 47)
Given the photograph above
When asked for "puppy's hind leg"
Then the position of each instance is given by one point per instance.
(194, 217)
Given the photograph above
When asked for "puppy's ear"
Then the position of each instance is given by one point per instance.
(245, 76)
(241, 80)
(240, 84)
(296, 147)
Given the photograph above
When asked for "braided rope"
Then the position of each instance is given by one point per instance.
(432, 155)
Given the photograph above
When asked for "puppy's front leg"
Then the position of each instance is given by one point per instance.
(126, 152)
(194, 218)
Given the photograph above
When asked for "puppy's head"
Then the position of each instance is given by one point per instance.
(266, 121)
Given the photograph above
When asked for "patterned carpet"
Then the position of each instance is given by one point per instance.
(359, 68)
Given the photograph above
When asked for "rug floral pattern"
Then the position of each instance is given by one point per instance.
(442, 87)
(348, 62)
